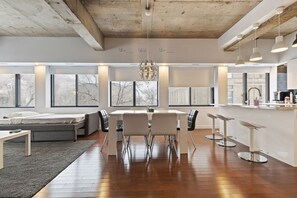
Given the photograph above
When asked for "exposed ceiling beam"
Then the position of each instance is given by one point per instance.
(265, 27)
(77, 16)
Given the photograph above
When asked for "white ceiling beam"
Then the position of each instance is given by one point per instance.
(77, 16)
(261, 13)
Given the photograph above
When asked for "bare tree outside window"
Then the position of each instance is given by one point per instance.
(146, 93)
(7, 90)
(122, 93)
(66, 91)
(27, 91)
(87, 90)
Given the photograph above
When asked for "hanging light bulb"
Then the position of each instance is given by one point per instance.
(148, 69)
(295, 42)
(239, 60)
(279, 45)
(256, 55)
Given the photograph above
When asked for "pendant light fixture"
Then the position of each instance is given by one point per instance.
(279, 45)
(148, 69)
(295, 42)
(239, 60)
(256, 55)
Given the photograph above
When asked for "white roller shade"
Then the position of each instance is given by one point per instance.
(191, 76)
(17, 70)
(73, 69)
(249, 70)
(124, 74)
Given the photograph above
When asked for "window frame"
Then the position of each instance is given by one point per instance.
(190, 99)
(52, 83)
(17, 95)
(245, 86)
(133, 95)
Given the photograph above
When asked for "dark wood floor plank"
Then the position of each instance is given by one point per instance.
(209, 172)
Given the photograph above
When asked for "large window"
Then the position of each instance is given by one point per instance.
(17, 90)
(74, 90)
(190, 96)
(240, 83)
(134, 93)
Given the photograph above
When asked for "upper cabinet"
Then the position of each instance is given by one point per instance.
(292, 74)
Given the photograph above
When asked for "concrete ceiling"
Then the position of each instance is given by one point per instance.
(125, 18)
(94, 20)
(169, 19)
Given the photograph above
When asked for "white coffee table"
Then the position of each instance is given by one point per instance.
(5, 135)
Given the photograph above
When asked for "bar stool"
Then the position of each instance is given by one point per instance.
(213, 136)
(251, 155)
(225, 142)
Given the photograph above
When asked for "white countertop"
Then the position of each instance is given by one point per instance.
(269, 106)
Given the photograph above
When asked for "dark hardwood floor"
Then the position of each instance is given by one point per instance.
(210, 171)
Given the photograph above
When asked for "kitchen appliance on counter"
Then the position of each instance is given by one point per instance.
(282, 95)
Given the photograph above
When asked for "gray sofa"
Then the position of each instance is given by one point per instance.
(59, 132)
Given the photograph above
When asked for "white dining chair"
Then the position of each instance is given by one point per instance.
(164, 124)
(135, 125)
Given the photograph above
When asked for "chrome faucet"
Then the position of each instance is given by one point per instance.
(248, 96)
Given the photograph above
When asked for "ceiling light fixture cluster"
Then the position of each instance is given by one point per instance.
(148, 69)
(279, 45)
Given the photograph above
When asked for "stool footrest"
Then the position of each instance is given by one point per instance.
(252, 157)
(225, 143)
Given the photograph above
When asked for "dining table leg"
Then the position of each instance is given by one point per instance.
(182, 139)
(112, 135)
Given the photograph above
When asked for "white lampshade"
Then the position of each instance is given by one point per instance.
(279, 45)
(256, 55)
(239, 61)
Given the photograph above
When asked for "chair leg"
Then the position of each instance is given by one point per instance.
(192, 139)
(104, 141)
(174, 146)
(152, 142)
(146, 141)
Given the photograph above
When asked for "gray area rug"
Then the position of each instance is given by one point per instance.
(25, 176)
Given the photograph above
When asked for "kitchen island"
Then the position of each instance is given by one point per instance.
(278, 139)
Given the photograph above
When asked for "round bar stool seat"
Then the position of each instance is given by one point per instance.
(225, 142)
(213, 136)
(251, 156)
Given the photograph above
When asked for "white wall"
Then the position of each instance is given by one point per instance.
(123, 50)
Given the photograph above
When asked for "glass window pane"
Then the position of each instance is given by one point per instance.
(27, 90)
(64, 90)
(179, 96)
(88, 90)
(122, 93)
(7, 90)
(146, 93)
(200, 95)
(235, 88)
(258, 81)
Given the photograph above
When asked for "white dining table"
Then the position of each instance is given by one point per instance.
(182, 146)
